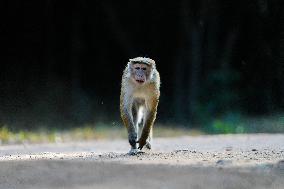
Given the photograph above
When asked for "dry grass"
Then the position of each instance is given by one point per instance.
(85, 133)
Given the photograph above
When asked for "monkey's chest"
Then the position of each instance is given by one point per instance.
(143, 93)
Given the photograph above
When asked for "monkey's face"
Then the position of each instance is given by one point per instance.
(140, 73)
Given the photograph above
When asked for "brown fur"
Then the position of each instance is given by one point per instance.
(147, 92)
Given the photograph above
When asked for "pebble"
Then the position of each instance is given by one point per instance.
(229, 148)
(280, 164)
(223, 162)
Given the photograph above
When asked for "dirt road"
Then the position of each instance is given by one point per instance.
(219, 161)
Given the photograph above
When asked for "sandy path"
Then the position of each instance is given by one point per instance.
(219, 161)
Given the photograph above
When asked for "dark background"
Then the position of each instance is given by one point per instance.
(61, 61)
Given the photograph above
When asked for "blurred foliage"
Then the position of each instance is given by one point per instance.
(230, 124)
(219, 99)
(235, 123)
(219, 126)
(5, 134)
(62, 68)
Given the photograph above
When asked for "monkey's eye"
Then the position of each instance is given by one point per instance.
(137, 68)
(143, 68)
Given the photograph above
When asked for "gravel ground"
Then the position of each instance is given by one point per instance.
(213, 161)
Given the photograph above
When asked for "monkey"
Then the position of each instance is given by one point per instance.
(139, 98)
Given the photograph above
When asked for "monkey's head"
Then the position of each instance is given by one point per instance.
(141, 69)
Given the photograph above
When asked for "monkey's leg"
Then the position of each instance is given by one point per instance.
(140, 120)
(148, 144)
(147, 128)
(135, 112)
(132, 138)
(131, 129)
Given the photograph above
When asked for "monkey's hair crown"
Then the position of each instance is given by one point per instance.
(142, 60)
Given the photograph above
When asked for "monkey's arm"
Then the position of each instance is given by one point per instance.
(129, 124)
(148, 124)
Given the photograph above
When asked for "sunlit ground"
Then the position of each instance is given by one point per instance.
(272, 124)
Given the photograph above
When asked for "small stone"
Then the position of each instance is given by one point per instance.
(229, 148)
(254, 150)
(223, 162)
(280, 164)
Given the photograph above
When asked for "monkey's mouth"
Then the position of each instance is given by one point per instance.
(139, 81)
